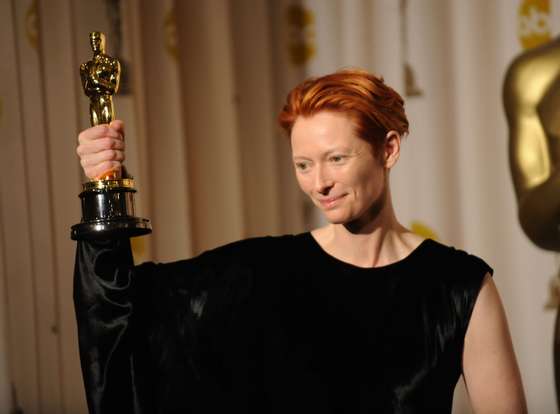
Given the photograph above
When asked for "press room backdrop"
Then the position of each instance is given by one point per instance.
(202, 83)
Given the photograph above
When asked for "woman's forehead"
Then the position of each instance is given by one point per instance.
(323, 132)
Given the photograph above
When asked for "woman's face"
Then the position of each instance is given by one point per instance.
(336, 169)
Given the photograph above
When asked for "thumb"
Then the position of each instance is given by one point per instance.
(117, 125)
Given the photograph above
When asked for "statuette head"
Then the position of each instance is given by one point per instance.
(97, 40)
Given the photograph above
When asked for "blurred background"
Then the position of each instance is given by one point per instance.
(202, 84)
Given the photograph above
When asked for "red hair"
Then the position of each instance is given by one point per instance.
(375, 107)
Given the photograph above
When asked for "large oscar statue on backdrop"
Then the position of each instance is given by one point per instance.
(532, 105)
(108, 201)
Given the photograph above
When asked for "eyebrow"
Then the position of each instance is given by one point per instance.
(325, 154)
(338, 149)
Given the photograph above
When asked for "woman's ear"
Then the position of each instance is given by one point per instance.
(392, 149)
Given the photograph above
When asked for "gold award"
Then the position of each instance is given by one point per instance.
(531, 95)
(108, 201)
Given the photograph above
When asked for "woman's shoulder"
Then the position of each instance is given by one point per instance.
(455, 262)
(253, 249)
(456, 277)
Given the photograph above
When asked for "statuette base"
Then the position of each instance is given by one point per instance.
(109, 230)
(108, 211)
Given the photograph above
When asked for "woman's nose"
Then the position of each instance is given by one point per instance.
(323, 181)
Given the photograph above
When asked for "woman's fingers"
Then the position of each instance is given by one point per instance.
(118, 126)
(102, 169)
(101, 148)
(98, 132)
(99, 145)
(91, 160)
(106, 160)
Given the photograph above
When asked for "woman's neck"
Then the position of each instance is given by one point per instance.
(374, 243)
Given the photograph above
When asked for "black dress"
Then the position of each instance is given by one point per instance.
(273, 325)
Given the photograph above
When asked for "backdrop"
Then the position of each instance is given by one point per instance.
(202, 84)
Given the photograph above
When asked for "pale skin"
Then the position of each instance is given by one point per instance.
(101, 149)
(350, 184)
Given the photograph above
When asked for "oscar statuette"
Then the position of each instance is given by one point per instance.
(107, 201)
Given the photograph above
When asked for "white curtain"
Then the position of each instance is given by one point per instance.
(205, 81)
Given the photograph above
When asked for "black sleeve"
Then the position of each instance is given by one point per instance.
(136, 329)
(472, 270)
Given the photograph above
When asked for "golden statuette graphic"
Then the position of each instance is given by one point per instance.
(108, 201)
(100, 79)
(532, 105)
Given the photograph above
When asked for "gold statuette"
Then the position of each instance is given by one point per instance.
(107, 202)
(532, 106)
(100, 79)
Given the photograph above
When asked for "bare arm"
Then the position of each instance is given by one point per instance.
(489, 366)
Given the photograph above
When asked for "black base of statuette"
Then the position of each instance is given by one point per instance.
(114, 229)
(108, 212)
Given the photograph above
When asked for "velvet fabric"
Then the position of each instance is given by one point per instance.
(272, 325)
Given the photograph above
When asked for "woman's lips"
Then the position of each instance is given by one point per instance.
(331, 201)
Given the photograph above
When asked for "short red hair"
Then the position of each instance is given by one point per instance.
(375, 107)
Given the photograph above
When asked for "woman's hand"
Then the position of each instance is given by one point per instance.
(101, 150)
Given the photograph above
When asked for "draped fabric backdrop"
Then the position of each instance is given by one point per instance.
(202, 83)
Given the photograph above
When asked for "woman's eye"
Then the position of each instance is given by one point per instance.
(302, 166)
(337, 158)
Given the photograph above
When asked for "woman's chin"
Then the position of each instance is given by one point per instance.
(349, 218)
(336, 217)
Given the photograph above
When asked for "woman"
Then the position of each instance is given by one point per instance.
(360, 316)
